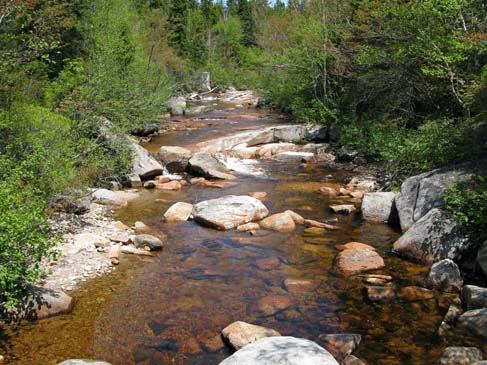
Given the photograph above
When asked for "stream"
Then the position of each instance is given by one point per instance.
(170, 309)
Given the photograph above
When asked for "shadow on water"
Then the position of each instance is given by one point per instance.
(170, 309)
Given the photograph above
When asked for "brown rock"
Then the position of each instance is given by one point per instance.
(135, 251)
(240, 334)
(343, 208)
(415, 293)
(352, 261)
(214, 344)
(162, 179)
(326, 190)
(268, 263)
(172, 185)
(261, 195)
(248, 227)
(340, 345)
(344, 191)
(355, 246)
(272, 304)
(382, 294)
(295, 216)
(120, 226)
(300, 285)
(314, 231)
(352, 360)
(213, 184)
(281, 222)
(197, 180)
(178, 212)
(140, 227)
(191, 346)
(313, 223)
(356, 194)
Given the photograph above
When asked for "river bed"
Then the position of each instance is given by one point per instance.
(170, 309)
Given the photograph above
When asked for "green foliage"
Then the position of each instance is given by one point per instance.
(467, 202)
(24, 241)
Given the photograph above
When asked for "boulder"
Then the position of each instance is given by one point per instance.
(379, 206)
(474, 297)
(347, 154)
(281, 350)
(83, 362)
(343, 208)
(175, 158)
(281, 222)
(355, 246)
(353, 261)
(444, 275)
(461, 356)
(240, 334)
(422, 193)
(317, 133)
(229, 212)
(39, 303)
(340, 345)
(352, 360)
(176, 105)
(144, 165)
(134, 181)
(147, 240)
(474, 322)
(178, 212)
(202, 163)
(482, 257)
(108, 197)
(434, 237)
(146, 129)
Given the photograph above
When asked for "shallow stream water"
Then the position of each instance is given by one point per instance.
(170, 309)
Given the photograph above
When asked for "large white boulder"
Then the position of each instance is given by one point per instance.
(282, 350)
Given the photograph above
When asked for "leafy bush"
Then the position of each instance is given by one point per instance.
(24, 241)
(467, 202)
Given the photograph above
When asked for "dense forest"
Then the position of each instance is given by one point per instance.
(405, 81)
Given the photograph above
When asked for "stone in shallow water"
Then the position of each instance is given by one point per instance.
(83, 362)
(281, 222)
(300, 285)
(353, 261)
(143, 240)
(461, 356)
(268, 263)
(340, 345)
(343, 208)
(178, 212)
(354, 245)
(444, 275)
(272, 304)
(381, 294)
(240, 334)
(281, 350)
(229, 212)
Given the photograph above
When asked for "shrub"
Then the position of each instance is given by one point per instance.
(24, 242)
(467, 202)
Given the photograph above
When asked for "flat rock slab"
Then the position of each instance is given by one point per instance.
(240, 334)
(205, 164)
(281, 350)
(178, 212)
(353, 261)
(229, 212)
(461, 356)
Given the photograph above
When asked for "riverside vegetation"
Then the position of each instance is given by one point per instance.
(403, 82)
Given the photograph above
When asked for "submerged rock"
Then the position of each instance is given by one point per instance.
(272, 304)
(281, 350)
(240, 334)
(83, 362)
(381, 294)
(340, 345)
(229, 212)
